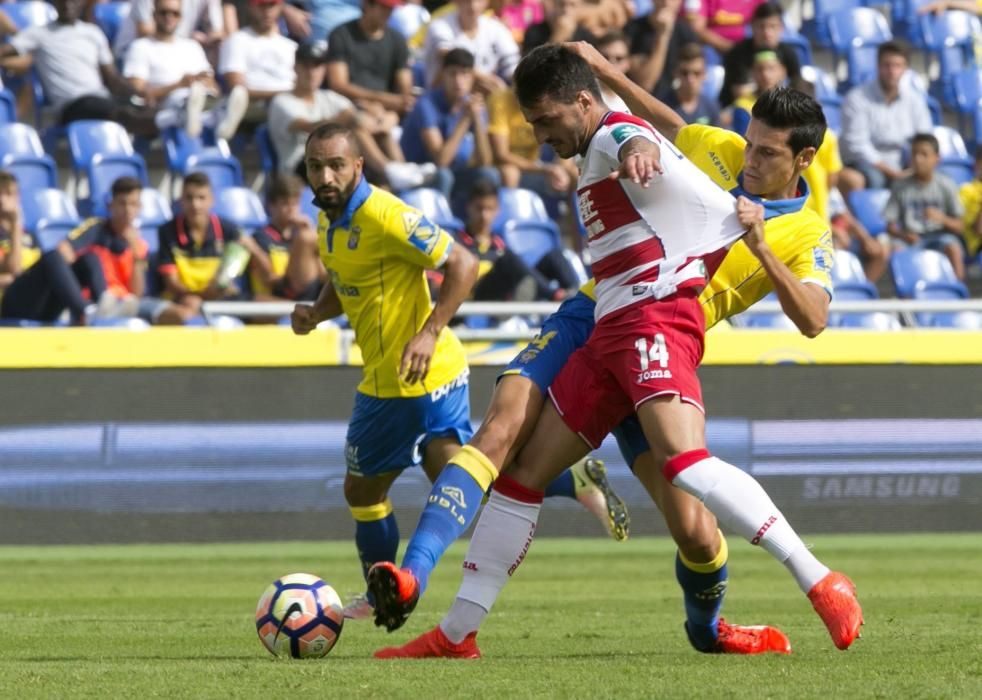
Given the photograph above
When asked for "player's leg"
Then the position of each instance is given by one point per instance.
(376, 530)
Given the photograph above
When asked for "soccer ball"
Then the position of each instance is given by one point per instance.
(300, 615)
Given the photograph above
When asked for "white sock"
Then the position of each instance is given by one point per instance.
(740, 503)
(500, 541)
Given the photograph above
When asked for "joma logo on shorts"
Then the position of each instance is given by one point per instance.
(654, 374)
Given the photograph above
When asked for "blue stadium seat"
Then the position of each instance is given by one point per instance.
(32, 172)
(951, 37)
(531, 240)
(520, 205)
(868, 206)
(919, 274)
(713, 82)
(434, 207)
(89, 137)
(874, 321)
(712, 56)
(49, 204)
(953, 148)
(8, 107)
(824, 82)
(30, 14)
(854, 35)
(905, 20)
(307, 205)
(102, 172)
(848, 278)
(242, 206)
(967, 88)
(816, 27)
(936, 293)
(833, 115)
(222, 170)
(408, 19)
(18, 140)
(962, 320)
(267, 152)
(801, 46)
(154, 208)
(959, 172)
(774, 322)
(49, 234)
(110, 16)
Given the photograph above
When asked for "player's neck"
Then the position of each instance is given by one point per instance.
(593, 119)
(789, 191)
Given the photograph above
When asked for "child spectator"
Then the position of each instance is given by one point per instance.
(766, 27)
(17, 249)
(289, 266)
(924, 209)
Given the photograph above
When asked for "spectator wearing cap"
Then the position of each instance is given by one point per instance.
(878, 120)
(448, 127)
(485, 38)
(719, 23)
(173, 76)
(766, 27)
(368, 62)
(73, 62)
(294, 114)
(256, 63)
(201, 20)
(655, 41)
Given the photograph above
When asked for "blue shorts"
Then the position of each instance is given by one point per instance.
(630, 440)
(387, 435)
(562, 333)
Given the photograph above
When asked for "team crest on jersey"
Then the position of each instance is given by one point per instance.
(353, 237)
(624, 132)
(410, 219)
(425, 236)
(822, 260)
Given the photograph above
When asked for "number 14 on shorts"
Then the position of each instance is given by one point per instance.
(653, 357)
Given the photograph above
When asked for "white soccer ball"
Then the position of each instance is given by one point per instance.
(299, 615)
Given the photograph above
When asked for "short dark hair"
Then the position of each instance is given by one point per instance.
(283, 186)
(611, 37)
(458, 58)
(929, 139)
(894, 47)
(329, 130)
(552, 70)
(690, 52)
(196, 179)
(125, 185)
(482, 188)
(8, 178)
(767, 10)
(787, 108)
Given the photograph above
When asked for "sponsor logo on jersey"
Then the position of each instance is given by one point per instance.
(723, 171)
(343, 290)
(425, 236)
(822, 260)
(442, 391)
(624, 132)
(353, 237)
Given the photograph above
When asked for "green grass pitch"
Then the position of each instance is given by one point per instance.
(581, 619)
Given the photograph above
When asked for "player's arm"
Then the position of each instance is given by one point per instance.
(305, 317)
(460, 274)
(641, 102)
(639, 161)
(806, 304)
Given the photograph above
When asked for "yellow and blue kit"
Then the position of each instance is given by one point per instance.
(377, 253)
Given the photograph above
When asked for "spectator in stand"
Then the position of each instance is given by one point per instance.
(878, 120)
(98, 271)
(613, 46)
(518, 15)
(288, 265)
(768, 72)
(75, 66)
(192, 247)
(328, 15)
(235, 15)
(201, 20)
(485, 38)
(173, 76)
(720, 24)
(502, 275)
(448, 126)
(686, 97)
(256, 64)
(17, 249)
(561, 23)
(367, 62)
(971, 196)
(294, 114)
(766, 26)
(656, 40)
(924, 209)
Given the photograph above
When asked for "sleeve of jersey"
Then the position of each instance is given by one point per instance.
(699, 138)
(417, 240)
(813, 265)
(611, 137)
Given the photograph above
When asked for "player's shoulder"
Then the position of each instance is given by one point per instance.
(708, 136)
(623, 125)
(805, 228)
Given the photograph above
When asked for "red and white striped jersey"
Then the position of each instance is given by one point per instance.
(647, 243)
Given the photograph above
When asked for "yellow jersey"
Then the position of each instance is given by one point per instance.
(505, 118)
(971, 196)
(796, 234)
(376, 254)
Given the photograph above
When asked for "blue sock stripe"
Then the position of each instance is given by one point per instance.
(562, 485)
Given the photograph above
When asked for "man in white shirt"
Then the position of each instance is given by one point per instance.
(256, 63)
(173, 76)
(201, 20)
(293, 115)
(73, 61)
(494, 49)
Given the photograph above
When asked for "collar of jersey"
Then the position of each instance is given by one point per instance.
(775, 207)
(357, 198)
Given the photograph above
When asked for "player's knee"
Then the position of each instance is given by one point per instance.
(497, 433)
(360, 493)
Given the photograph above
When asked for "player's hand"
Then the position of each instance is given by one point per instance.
(639, 165)
(589, 53)
(558, 178)
(303, 319)
(751, 215)
(416, 356)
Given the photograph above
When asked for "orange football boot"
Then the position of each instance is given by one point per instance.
(756, 639)
(433, 645)
(395, 593)
(834, 599)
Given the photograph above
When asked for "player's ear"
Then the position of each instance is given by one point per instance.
(805, 157)
(585, 100)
